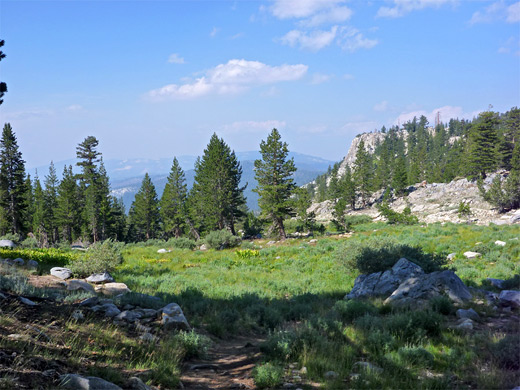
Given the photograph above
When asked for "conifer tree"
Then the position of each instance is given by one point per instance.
(217, 194)
(348, 189)
(29, 201)
(274, 174)
(50, 204)
(3, 86)
(144, 212)
(68, 213)
(12, 183)
(173, 202)
(482, 155)
(399, 179)
(39, 214)
(363, 172)
(105, 203)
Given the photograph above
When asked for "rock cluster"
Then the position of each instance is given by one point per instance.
(406, 283)
(18, 262)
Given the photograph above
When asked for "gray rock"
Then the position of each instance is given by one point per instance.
(148, 337)
(76, 382)
(451, 256)
(500, 243)
(366, 366)
(89, 302)
(288, 385)
(515, 219)
(77, 315)
(129, 316)
(62, 273)
(384, 283)
(110, 310)
(471, 314)
(472, 255)
(428, 286)
(510, 298)
(173, 317)
(203, 247)
(163, 251)
(7, 244)
(467, 324)
(33, 264)
(104, 277)
(147, 313)
(330, 375)
(76, 284)
(498, 283)
(113, 289)
(135, 383)
(2, 296)
(19, 262)
(27, 302)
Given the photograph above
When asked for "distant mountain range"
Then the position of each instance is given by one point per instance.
(126, 175)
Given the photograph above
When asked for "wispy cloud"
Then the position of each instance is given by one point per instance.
(401, 8)
(320, 78)
(497, 11)
(446, 113)
(348, 76)
(214, 32)
(299, 9)
(332, 15)
(75, 108)
(357, 127)
(176, 59)
(383, 106)
(351, 39)
(511, 46)
(314, 40)
(252, 126)
(233, 77)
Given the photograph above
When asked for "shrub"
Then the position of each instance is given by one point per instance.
(512, 283)
(252, 225)
(49, 256)
(507, 352)
(414, 326)
(348, 311)
(247, 253)
(267, 375)
(194, 345)
(100, 257)
(379, 254)
(29, 243)
(393, 217)
(182, 243)
(221, 239)
(464, 210)
(417, 356)
(442, 305)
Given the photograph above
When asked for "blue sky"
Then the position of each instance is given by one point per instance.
(157, 78)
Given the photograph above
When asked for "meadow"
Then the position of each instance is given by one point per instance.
(291, 293)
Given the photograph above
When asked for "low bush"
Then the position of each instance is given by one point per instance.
(380, 253)
(193, 345)
(417, 356)
(221, 239)
(507, 352)
(393, 217)
(267, 375)
(29, 243)
(101, 257)
(247, 253)
(442, 305)
(50, 256)
(348, 311)
(182, 243)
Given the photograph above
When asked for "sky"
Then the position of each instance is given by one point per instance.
(156, 79)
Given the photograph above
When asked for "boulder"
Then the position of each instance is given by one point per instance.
(467, 324)
(173, 317)
(510, 298)
(451, 256)
(498, 283)
(7, 244)
(89, 302)
(471, 314)
(514, 219)
(384, 283)
(77, 382)
(27, 302)
(203, 247)
(163, 251)
(135, 383)
(500, 243)
(62, 273)
(112, 289)
(19, 262)
(110, 310)
(104, 277)
(76, 284)
(427, 286)
(129, 316)
(472, 255)
(32, 264)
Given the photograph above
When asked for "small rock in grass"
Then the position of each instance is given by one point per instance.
(135, 383)
(330, 375)
(32, 264)
(500, 243)
(103, 277)
(77, 382)
(27, 302)
(471, 314)
(62, 273)
(129, 316)
(76, 284)
(112, 289)
(288, 385)
(366, 366)
(77, 315)
(472, 255)
(467, 324)
(148, 337)
(203, 247)
(19, 262)
(451, 256)
(163, 251)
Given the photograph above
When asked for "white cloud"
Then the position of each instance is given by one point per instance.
(498, 11)
(313, 41)
(236, 36)
(330, 16)
(214, 32)
(74, 108)
(513, 13)
(403, 7)
(446, 113)
(288, 9)
(348, 76)
(233, 77)
(176, 59)
(320, 78)
(252, 126)
(512, 45)
(351, 39)
(28, 114)
(383, 106)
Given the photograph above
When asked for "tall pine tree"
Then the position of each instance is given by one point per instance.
(173, 202)
(144, 212)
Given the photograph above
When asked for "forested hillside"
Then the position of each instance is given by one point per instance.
(417, 152)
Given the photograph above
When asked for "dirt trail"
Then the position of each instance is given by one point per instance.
(228, 366)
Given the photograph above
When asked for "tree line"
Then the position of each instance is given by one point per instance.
(460, 148)
(80, 207)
